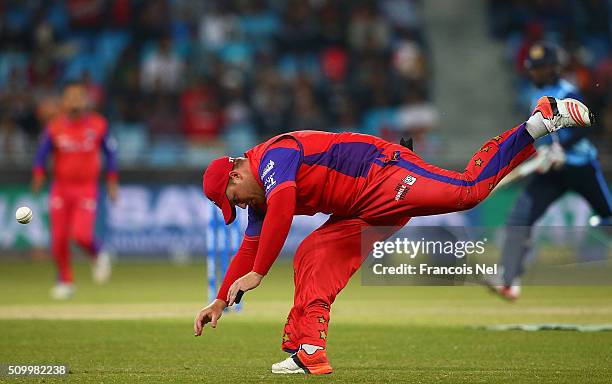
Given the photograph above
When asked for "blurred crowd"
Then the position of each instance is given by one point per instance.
(184, 77)
(582, 28)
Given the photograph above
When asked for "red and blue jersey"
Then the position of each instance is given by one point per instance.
(75, 145)
(303, 173)
(329, 170)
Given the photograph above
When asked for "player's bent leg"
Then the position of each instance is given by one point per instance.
(324, 263)
(495, 159)
(315, 289)
(408, 185)
(413, 187)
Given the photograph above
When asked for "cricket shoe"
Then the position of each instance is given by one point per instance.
(62, 291)
(302, 362)
(101, 268)
(559, 113)
(510, 293)
(495, 285)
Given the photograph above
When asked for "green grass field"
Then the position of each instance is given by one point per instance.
(138, 328)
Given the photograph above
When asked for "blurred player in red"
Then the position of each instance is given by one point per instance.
(362, 182)
(74, 139)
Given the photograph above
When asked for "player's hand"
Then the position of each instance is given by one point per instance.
(112, 188)
(245, 283)
(209, 314)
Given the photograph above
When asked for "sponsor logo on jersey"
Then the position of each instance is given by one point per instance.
(269, 182)
(69, 144)
(393, 159)
(409, 180)
(401, 190)
(267, 169)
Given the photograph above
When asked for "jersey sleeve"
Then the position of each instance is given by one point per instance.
(255, 221)
(42, 153)
(275, 228)
(279, 165)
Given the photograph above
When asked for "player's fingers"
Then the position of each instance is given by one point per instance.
(231, 293)
(213, 321)
(230, 298)
(197, 325)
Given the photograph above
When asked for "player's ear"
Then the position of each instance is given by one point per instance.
(235, 176)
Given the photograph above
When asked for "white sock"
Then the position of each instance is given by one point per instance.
(310, 349)
(536, 127)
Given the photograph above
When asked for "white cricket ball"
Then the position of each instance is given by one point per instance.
(23, 215)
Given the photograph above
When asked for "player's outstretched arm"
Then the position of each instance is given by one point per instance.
(274, 231)
(209, 314)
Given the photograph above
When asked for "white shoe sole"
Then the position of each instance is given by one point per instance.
(285, 371)
(287, 367)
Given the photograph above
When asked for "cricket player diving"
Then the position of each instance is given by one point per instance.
(361, 181)
(74, 139)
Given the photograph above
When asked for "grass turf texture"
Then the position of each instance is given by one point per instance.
(138, 328)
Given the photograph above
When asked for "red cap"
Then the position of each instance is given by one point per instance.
(216, 178)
